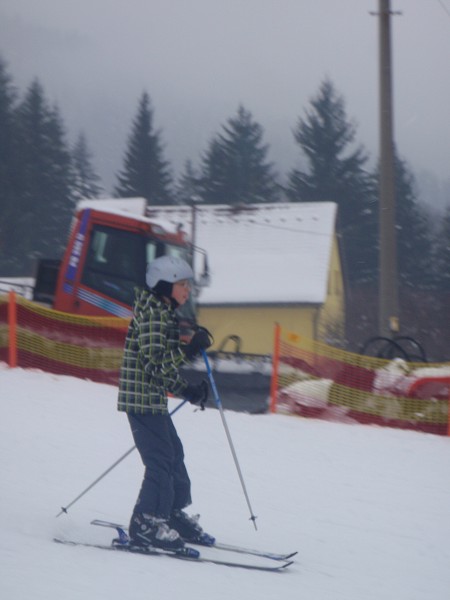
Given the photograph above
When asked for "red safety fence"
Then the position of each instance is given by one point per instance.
(309, 378)
(313, 379)
(33, 336)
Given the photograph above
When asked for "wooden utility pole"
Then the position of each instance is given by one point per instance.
(388, 278)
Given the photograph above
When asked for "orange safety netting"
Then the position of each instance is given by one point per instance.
(309, 378)
(86, 347)
(317, 380)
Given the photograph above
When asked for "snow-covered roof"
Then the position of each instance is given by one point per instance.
(135, 206)
(260, 253)
(125, 207)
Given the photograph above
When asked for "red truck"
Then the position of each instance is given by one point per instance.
(105, 259)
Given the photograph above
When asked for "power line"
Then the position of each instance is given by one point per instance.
(291, 229)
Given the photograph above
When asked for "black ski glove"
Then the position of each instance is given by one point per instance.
(201, 340)
(197, 393)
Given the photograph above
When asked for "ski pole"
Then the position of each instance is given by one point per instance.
(227, 431)
(64, 509)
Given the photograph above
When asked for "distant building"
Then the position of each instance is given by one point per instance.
(269, 263)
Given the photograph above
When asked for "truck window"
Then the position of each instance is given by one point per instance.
(115, 263)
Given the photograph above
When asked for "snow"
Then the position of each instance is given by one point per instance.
(21, 285)
(366, 507)
(246, 247)
(135, 206)
(126, 207)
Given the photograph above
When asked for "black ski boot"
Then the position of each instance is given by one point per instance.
(189, 528)
(147, 530)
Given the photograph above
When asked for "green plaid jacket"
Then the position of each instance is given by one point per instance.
(151, 357)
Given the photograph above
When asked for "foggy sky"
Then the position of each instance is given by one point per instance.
(200, 59)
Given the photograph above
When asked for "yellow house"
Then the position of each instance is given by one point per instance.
(269, 263)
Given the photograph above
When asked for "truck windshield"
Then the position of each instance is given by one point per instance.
(115, 263)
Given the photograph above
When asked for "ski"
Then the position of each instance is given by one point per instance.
(121, 530)
(253, 552)
(188, 556)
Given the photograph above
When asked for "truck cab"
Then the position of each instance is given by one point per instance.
(105, 260)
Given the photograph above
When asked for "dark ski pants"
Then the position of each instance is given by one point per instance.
(166, 485)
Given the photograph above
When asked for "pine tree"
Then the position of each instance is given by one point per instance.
(8, 171)
(86, 181)
(45, 192)
(7, 103)
(442, 253)
(145, 172)
(336, 173)
(235, 168)
(414, 247)
(187, 188)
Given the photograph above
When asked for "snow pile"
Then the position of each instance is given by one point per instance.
(21, 285)
(366, 507)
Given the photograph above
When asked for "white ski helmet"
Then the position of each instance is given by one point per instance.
(169, 269)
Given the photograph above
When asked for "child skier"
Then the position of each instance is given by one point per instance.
(150, 369)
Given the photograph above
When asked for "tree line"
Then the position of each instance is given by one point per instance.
(42, 177)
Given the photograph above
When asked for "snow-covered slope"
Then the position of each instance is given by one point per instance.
(367, 508)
